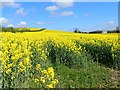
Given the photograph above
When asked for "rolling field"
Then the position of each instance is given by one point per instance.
(57, 59)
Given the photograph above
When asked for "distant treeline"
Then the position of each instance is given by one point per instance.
(14, 30)
(98, 31)
(114, 31)
(110, 31)
(76, 30)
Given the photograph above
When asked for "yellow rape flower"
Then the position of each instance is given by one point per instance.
(42, 79)
(9, 65)
(8, 71)
(38, 67)
(45, 72)
(50, 86)
(12, 77)
(51, 72)
(36, 80)
(26, 61)
(22, 66)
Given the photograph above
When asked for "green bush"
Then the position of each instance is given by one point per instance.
(102, 54)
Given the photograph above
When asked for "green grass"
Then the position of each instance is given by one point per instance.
(85, 72)
(92, 77)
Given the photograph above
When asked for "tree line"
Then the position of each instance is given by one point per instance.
(76, 30)
(14, 30)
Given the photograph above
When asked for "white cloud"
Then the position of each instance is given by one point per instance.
(64, 13)
(9, 3)
(22, 24)
(3, 21)
(64, 3)
(86, 14)
(10, 25)
(67, 13)
(43, 23)
(110, 22)
(40, 23)
(21, 11)
(59, 4)
(52, 8)
(105, 26)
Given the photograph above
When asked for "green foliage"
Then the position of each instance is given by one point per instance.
(102, 54)
(62, 55)
(15, 30)
(77, 71)
(90, 77)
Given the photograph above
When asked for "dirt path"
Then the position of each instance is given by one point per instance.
(115, 79)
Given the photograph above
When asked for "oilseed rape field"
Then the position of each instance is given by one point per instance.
(56, 59)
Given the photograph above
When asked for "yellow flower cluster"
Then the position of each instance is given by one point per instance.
(17, 54)
(25, 52)
(47, 77)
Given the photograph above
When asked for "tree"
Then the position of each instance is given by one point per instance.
(76, 30)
